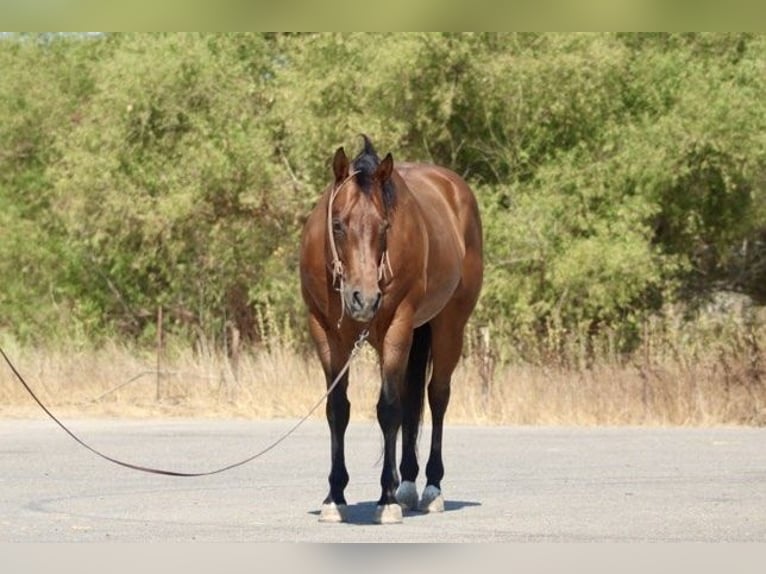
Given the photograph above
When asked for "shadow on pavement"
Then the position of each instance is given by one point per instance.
(364, 512)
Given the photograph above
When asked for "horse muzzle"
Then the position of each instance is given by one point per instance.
(362, 306)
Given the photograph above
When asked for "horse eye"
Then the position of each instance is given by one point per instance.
(337, 227)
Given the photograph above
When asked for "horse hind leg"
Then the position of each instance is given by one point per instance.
(438, 399)
(412, 411)
(447, 346)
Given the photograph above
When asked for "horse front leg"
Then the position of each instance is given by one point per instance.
(338, 411)
(396, 348)
(333, 356)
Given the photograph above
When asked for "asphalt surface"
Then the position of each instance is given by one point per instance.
(502, 484)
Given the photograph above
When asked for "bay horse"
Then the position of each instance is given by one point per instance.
(394, 249)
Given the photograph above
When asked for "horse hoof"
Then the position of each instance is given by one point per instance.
(432, 500)
(332, 512)
(388, 514)
(407, 495)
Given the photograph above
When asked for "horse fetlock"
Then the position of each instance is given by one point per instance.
(338, 481)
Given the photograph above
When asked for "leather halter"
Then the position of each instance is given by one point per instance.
(337, 269)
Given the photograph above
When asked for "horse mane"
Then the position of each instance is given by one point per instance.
(365, 164)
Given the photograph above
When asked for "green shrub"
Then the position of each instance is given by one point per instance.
(617, 173)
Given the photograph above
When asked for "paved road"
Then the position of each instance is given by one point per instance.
(502, 484)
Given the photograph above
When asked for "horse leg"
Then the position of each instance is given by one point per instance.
(447, 345)
(337, 410)
(412, 411)
(396, 348)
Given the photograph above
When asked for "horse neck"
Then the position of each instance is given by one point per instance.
(408, 228)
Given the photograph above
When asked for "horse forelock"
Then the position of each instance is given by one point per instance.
(365, 164)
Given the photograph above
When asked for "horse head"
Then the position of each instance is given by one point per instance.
(358, 222)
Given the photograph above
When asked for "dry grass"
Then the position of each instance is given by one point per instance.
(114, 381)
(678, 380)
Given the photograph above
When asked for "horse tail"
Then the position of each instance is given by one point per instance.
(417, 368)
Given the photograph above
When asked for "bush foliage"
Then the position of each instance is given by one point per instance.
(617, 173)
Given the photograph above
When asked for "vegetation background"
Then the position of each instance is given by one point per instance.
(621, 178)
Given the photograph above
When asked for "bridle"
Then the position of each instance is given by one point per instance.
(337, 269)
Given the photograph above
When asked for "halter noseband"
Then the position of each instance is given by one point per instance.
(336, 266)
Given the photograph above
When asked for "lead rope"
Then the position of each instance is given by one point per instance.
(357, 346)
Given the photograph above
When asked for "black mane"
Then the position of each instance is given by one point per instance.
(365, 164)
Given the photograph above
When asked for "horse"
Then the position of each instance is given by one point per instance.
(394, 251)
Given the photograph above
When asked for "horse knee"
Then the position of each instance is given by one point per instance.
(338, 478)
(389, 408)
(338, 410)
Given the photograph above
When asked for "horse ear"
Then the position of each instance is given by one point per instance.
(383, 172)
(383, 176)
(340, 165)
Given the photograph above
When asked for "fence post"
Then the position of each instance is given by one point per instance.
(159, 351)
(235, 344)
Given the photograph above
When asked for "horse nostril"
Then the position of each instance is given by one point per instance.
(356, 298)
(378, 299)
